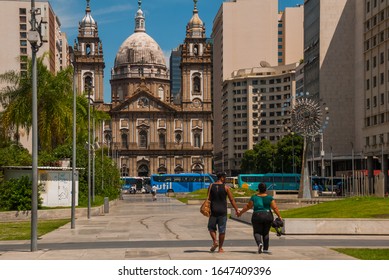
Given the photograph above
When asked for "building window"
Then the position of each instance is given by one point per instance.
(375, 101)
(382, 58)
(23, 26)
(374, 62)
(382, 99)
(124, 140)
(367, 65)
(196, 84)
(368, 84)
(161, 93)
(374, 81)
(368, 103)
(197, 140)
(382, 78)
(143, 139)
(162, 141)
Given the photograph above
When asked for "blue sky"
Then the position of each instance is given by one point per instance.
(165, 21)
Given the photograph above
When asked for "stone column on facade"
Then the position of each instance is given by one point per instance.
(370, 174)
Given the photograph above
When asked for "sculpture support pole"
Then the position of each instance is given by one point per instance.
(305, 185)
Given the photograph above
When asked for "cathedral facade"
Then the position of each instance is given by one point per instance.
(150, 132)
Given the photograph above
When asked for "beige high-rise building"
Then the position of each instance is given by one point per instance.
(245, 32)
(291, 35)
(375, 98)
(255, 105)
(333, 75)
(15, 20)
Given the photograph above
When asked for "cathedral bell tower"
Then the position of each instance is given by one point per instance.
(89, 59)
(196, 66)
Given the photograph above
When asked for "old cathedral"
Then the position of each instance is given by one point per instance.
(149, 131)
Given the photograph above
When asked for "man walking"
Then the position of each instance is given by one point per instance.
(218, 193)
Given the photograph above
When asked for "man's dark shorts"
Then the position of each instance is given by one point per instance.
(221, 223)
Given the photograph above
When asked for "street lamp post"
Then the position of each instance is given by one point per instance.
(293, 163)
(74, 152)
(322, 155)
(89, 155)
(35, 38)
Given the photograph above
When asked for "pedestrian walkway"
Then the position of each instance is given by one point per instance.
(139, 228)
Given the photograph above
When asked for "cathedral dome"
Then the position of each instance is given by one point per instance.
(139, 48)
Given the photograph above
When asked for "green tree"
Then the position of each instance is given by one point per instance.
(266, 157)
(289, 151)
(54, 104)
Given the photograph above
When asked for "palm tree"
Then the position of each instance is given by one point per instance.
(54, 104)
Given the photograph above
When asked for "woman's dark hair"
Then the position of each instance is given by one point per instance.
(262, 188)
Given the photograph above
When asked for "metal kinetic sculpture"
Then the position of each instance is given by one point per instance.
(307, 120)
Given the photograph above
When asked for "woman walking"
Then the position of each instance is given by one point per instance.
(262, 217)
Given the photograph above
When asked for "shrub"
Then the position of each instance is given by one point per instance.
(15, 194)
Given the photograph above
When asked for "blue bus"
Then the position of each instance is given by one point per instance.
(135, 184)
(273, 181)
(183, 182)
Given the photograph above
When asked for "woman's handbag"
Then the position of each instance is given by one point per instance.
(205, 208)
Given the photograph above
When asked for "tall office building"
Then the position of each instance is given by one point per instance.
(291, 35)
(15, 50)
(375, 98)
(333, 76)
(255, 101)
(175, 74)
(244, 34)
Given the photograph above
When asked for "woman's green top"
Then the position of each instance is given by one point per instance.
(261, 203)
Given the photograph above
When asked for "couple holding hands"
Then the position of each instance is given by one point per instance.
(261, 220)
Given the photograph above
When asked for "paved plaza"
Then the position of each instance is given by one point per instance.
(166, 229)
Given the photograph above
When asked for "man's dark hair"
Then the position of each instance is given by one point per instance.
(221, 174)
(262, 188)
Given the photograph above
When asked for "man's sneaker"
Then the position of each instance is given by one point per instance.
(267, 252)
(260, 248)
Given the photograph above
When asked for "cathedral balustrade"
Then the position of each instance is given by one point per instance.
(137, 75)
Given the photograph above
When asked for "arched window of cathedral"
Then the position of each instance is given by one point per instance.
(161, 93)
(143, 139)
(88, 84)
(196, 50)
(162, 140)
(197, 139)
(196, 84)
(178, 169)
(88, 50)
(120, 93)
(125, 140)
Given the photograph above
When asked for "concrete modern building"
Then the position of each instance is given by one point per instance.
(255, 102)
(375, 98)
(149, 132)
(15, 50)
(291, 35)
(333, 75)
(244, 34)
